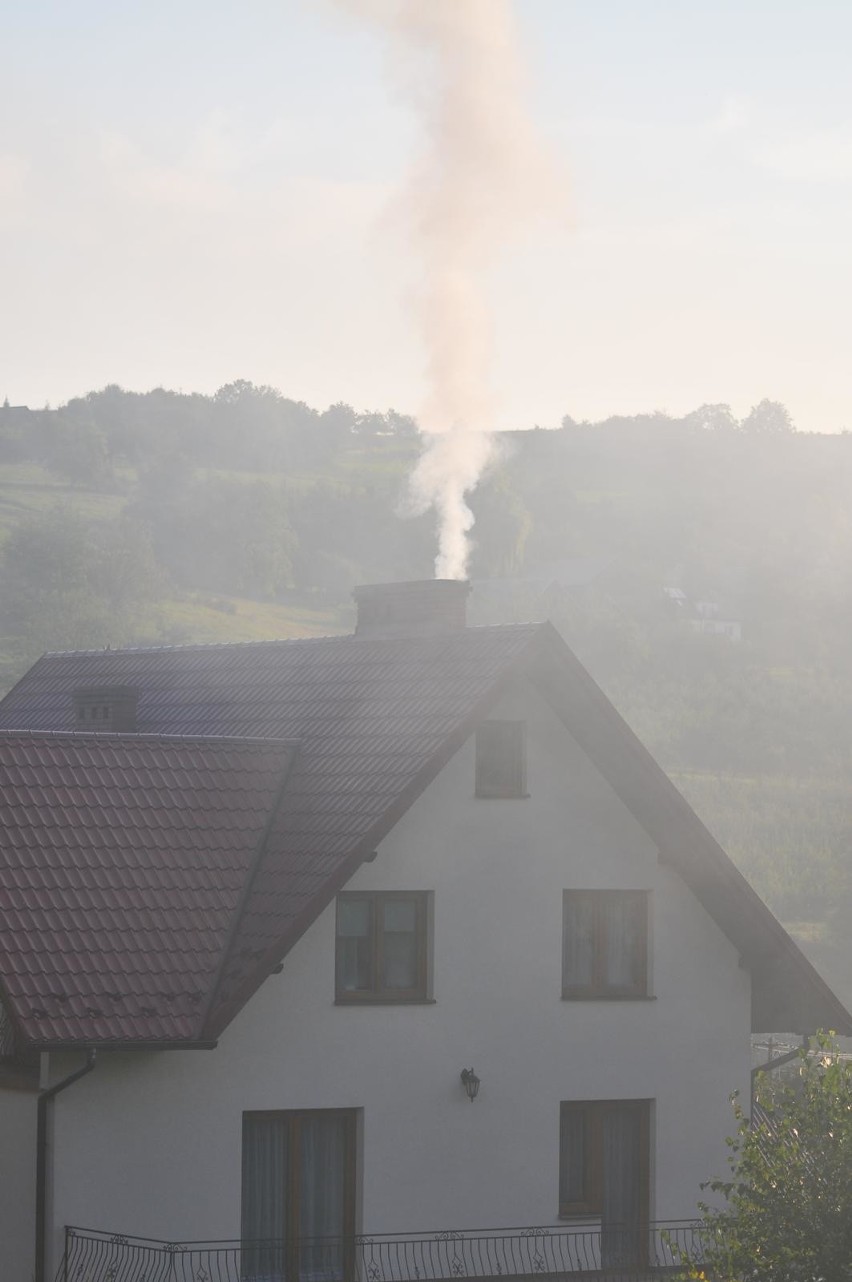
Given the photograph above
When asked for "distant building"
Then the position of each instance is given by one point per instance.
(705, 617)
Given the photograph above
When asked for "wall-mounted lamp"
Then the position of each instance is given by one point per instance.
(470, 1082)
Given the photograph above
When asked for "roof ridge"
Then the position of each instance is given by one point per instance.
(129, 736)
(191, 645)
(288, 641)
(242, 900)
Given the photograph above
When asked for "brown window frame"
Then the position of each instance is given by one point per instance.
(293, 1240)
(598, 989)
(513, 766)
(376, 994)
(592, 1113)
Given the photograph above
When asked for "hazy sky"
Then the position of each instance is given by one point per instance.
(197, 191)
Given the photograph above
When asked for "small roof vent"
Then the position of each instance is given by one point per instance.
(420, 607)
(105, 708)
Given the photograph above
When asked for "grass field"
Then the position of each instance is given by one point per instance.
(203, 619)
(27, 488)
(790, 837)
(767, 824)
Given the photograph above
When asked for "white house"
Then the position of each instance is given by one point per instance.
(265, 904)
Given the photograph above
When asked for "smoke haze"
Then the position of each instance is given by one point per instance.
(481, 178)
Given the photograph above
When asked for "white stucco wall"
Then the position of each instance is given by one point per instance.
(150, 1144)
(17, 1184)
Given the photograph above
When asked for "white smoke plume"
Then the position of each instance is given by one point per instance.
(482, 176)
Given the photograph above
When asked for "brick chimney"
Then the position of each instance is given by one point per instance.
(421, 607)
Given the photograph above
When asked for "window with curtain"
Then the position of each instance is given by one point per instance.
(604, 943)
(298, 1195)
(382, 946)
(501, 766)
(604, 1164)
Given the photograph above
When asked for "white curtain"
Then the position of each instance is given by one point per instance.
(572, 1156)
(578, 943)
(294, 1187)
(400, 944)
(321, 1195)
(622, 1211)
(265, 1193)
(354, 945)
(622, 929)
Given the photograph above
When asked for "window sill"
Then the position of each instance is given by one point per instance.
(501, 796)
(609, 997)
(384, 1001)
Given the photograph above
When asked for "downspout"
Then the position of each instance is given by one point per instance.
(44, 1100)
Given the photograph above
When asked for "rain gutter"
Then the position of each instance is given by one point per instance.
(777, 1062)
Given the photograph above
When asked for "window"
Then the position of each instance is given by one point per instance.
(382, 953)
(298, 1195)
(501, 759)
(604, 943)
(604, 1164)
(8, 1041)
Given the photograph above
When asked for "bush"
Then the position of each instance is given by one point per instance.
(788, 1202)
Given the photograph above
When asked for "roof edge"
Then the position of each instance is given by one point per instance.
(124, 1044)
(244, 895)
(232, 1005)
(132, 736)
(748, 906)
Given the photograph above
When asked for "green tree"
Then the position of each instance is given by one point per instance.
(76, 447)
(788, 1202)
(712, 418)
(768, 416)
(217, 533)
(67, 582)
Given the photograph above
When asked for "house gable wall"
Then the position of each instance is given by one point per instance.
(17, 1183)
(150, 1144)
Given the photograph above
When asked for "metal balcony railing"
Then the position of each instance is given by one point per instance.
(611, 1254)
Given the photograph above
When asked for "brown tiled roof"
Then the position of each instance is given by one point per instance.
(372, 716)
(375, 719)
(122, 862)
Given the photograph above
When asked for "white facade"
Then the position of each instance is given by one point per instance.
(150, 1143)
(17, 1184)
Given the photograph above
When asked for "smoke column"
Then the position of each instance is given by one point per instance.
(482, 176)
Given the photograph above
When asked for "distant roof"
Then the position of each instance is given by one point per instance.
(375, 719)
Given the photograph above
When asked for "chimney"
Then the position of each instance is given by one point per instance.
(418, 608)
(105, 708)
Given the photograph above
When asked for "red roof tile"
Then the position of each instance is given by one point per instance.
(121, 865)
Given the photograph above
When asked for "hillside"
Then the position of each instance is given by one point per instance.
(700, 568)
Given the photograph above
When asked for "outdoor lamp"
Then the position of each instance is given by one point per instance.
(470, 1082)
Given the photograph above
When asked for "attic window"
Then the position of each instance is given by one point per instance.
(105, 708)
(501, 767)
